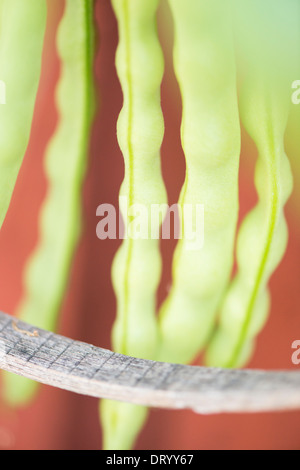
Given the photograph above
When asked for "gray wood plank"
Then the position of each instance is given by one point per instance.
(89, 370)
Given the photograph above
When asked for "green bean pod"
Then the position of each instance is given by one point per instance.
(263, 235)
(22, 29)
(266, 46)
(210, 133)
(46, 274)
(137, 266)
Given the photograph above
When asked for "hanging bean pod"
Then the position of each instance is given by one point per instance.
(48, 268)
(210, 132)
(137, 265)
(263, 235)
(22, 29)
(265, 104)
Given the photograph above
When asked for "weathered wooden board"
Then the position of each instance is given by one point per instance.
(89, 370)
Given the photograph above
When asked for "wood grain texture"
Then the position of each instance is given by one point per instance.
(89, 370)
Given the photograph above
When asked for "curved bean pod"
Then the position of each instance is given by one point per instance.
(262, 240)
(210, 133)
(263, 235)
(22, 29)
(137, 265)
(66, 159)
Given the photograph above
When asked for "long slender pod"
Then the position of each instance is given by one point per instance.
(262, 240)
(137, 265)
(22, 29)
(210, 133)
(66, 159)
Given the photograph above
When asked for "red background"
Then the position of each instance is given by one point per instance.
(60, 419)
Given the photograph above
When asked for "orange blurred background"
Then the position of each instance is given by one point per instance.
(63, 420)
